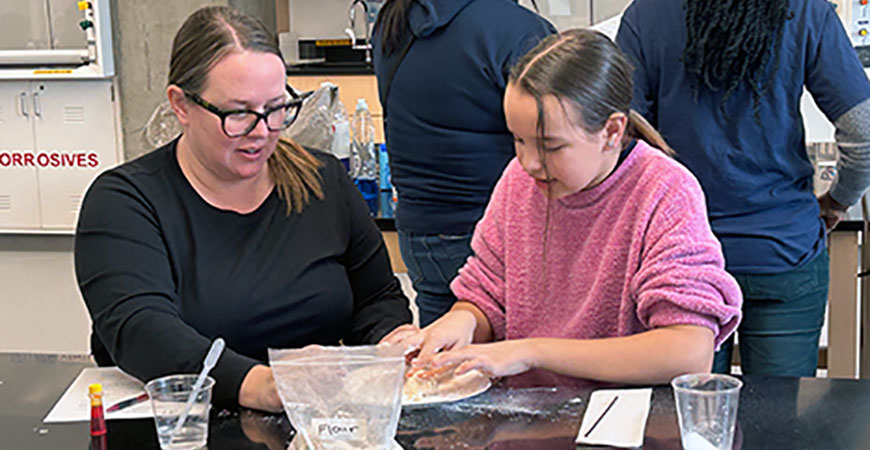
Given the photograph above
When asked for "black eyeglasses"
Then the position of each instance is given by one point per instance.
(240, 122)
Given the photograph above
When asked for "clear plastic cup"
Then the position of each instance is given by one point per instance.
(168, 399)
(707, 410)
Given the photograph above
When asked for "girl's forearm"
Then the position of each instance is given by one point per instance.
(651, 357)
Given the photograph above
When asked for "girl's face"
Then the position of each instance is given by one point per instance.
(575, 159)
(248, 80)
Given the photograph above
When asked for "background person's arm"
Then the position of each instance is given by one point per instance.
(837, 82)
(853, 164)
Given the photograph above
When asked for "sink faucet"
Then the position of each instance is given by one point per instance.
(351, 15)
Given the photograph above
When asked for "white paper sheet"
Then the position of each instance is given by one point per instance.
(624, 423)
(75, 406)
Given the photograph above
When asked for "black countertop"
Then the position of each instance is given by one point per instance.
(850, 225)
(321, 68)
(775, 413)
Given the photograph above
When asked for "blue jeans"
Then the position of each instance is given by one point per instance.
(782, 321)
(432, 262)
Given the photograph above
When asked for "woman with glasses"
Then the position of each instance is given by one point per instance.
(230, 231)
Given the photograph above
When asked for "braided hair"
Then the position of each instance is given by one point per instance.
(731, 42)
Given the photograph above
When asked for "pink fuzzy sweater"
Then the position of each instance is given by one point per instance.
(631, 254)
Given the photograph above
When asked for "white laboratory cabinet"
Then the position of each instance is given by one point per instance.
(59, 121)
(57, 136)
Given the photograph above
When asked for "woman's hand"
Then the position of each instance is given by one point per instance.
(258, 390)
(498, 359)
(400, 335)
(453, 330)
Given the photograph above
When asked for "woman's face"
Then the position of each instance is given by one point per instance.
(241, 80)
(575, 159)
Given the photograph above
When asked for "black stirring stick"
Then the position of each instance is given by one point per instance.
(589, 431)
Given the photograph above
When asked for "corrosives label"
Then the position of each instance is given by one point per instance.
(59, 159)
(339, 429)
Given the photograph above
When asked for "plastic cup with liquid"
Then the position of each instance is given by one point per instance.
(169, 396)
(707, 410)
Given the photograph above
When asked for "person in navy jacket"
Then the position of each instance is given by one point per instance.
(442, 68)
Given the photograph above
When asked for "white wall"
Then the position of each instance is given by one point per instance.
(41, 309)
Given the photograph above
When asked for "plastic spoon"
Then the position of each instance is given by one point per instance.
(217, 347)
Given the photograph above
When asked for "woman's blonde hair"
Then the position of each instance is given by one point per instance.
(206, 37)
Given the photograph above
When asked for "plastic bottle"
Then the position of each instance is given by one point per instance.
(340, 146)
(363, 159)
(98, 418)
(386, 186)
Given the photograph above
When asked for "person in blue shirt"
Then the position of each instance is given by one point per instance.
(723, 81)
(442, 68)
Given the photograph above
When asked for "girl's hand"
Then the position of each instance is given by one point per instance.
(453, 330)
(498, 359)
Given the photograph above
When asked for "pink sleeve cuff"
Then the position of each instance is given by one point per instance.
(721, 320)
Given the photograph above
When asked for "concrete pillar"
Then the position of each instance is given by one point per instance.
(142, 34)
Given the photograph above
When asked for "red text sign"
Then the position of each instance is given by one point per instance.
(81, 159)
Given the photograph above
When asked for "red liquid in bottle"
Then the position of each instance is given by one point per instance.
(98, 419)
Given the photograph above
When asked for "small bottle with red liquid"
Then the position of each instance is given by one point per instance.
(98, 419)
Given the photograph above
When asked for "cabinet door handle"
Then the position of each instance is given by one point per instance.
(37, 105)
(22, 102)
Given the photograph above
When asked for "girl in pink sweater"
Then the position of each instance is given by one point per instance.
(594, 258)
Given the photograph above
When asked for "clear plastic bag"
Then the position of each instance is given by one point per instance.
(162, 127)
(322, 123)
(341, 397)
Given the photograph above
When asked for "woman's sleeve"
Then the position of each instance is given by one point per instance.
(682, 279)
(379, 303)
(123, 270)
(643, 98)
(481, 280)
